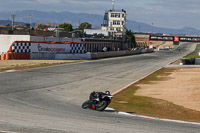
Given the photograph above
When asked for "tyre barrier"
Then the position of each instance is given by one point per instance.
(15, 56)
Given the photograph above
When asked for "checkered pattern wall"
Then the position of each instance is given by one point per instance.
(21, 47)
(77, 49)
(25, 47)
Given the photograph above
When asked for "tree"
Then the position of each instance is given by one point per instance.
(85, 25)
(8, 27)
(130, 37)
(41, 27)
(66, 26)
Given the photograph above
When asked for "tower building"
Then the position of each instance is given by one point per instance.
(115, 21)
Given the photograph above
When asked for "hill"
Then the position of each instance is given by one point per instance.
(94, 19)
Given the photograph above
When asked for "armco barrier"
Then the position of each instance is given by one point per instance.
(197, 61)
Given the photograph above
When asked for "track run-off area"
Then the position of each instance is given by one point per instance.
(48, 100)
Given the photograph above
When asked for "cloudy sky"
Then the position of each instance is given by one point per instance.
(163, 13)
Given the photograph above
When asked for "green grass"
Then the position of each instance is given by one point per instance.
(175, 47)
(194, 54)
(128, 102)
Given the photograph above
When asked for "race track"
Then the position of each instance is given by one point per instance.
(48, 100)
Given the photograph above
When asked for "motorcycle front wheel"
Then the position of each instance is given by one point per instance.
(85, 105)
(102, 105)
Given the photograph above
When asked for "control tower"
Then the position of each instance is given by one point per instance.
(115, 21)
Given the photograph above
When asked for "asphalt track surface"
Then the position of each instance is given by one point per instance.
(48, 100)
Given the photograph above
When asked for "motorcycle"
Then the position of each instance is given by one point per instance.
(98, 101)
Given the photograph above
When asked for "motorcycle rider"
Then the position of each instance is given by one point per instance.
(97, 95)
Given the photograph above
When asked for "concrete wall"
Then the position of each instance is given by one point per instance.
(7, 40)
(51, 56)
(118, 53)
(87, 56)
(42, 56)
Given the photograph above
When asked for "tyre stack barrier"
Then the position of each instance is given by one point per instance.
(15, 56)
(3, 57)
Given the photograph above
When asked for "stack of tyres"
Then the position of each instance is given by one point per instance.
(3, 57)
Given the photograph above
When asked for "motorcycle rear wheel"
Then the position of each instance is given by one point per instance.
(102, 105)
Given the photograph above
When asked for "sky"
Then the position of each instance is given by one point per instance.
(174, 14)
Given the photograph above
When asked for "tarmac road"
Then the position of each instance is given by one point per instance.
(48, 100)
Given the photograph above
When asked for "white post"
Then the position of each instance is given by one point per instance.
(113, 5)
(30, 21)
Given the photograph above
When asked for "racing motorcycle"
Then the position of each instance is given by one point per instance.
(98, 101)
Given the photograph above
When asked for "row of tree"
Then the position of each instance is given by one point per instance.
(68, 27)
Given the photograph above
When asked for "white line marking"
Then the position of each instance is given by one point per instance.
(7, 132)
(151, 118)
(159, 119)
(8, 71)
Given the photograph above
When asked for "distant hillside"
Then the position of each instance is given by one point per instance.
(54, 17)
(94, 19)
(142, 27)
(6, 22)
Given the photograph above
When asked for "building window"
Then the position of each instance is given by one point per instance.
(115, 15)
(116, 22)
(122, 15)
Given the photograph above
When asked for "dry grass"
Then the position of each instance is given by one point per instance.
(127, 101)
(27, 64)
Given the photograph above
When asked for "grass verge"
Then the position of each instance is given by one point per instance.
(28, 64)
(126, 101)
(194, 54)
(175, 47)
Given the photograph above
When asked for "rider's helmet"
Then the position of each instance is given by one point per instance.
(107, 92)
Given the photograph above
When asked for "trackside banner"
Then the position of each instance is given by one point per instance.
(175, 38)
(190, 39)
(52, 48)
(162, 38)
